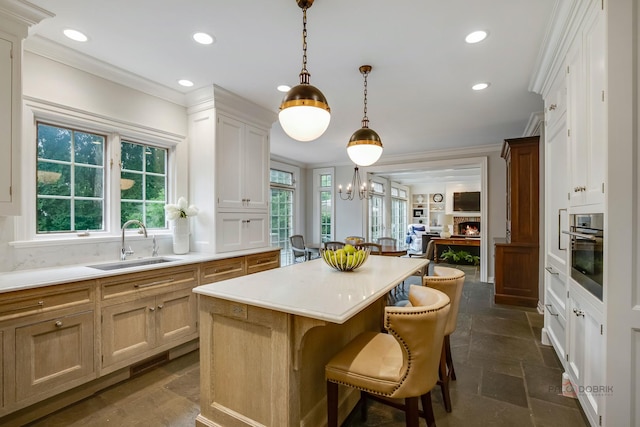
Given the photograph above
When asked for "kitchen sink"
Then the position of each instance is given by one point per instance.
(131, 263)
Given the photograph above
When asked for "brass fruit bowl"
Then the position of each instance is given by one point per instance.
(345, 259)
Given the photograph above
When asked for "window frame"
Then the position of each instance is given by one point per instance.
(317, 217)
(285, 253)
(403, 199)
(115, 130)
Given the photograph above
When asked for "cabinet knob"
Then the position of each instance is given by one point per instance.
(160, 307)
(58, 323)
(552, 107)
(152, 309)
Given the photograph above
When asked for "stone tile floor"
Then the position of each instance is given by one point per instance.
(506, 377)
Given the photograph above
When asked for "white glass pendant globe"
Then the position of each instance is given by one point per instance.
(304, 123)
(364, 154)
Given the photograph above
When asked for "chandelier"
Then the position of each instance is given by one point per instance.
(356, 187)
(304, 112)
(364, 147)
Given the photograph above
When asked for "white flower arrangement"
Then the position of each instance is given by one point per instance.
(180, 210)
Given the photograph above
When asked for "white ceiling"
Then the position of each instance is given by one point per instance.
(419, 96)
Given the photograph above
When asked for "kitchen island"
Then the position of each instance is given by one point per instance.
(265, 338)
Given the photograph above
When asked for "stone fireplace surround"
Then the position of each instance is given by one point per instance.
(457, 220)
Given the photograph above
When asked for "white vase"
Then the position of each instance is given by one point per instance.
(446, 232)
(181, 236)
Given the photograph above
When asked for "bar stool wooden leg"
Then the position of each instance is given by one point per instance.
(427, 409)
(411, 411)
(452, 371)
(363, 405)
(444, 380)
(332, 404)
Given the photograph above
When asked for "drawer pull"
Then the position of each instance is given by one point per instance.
(552, 107)
(550, 311)
(578, 312)
(58, 323)
(39, 304)
(223, 270)
(159, 282)
(263, 261)
(550, 270)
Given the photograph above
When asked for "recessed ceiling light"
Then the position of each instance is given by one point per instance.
(75, 35)
(203, 38)
(185, 83)
(480, 86)
(284, 88)
(476, 36)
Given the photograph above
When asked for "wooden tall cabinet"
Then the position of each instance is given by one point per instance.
(516, 259)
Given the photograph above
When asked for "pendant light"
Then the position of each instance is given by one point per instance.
(304, 111)
(364, 147)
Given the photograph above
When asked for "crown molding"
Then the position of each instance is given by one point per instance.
(17, 16)
(535, 124)
(567, 17)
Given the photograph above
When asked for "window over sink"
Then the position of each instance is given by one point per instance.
(73, 194)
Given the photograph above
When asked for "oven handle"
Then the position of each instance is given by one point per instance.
(560, 248)
(581, 235)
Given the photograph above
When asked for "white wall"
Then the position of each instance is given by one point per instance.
(59, 86)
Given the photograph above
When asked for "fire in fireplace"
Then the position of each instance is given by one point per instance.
(469, 228)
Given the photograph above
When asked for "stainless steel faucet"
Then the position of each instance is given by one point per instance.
(123, 250)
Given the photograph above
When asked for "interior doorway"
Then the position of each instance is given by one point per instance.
(452, 165)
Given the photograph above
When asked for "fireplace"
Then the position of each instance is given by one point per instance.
(469, 228)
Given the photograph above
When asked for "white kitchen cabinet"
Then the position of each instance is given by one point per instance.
(236, 231)
(228, 167)
(555, 315)
(15, 20)
(586, 110)
(10, 122)
(242, 166)
(556, 217)
(586, 350)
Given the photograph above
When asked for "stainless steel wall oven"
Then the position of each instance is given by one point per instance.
(587, 238)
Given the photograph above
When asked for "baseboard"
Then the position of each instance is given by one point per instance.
(544, 337)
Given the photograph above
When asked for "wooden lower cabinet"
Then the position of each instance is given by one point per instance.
(54, 354)
(132, 331)
(516, 274)
(48, 343)
(147, 313)
(64, 342)
(263, 261)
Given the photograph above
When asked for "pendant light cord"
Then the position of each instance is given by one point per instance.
(365, 119)
(304, 74)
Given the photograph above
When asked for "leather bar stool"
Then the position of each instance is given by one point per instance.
(450, 281)
(400, 364)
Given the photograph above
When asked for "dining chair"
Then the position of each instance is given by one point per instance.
(388, 241)
(376, 248)
(333, 245)
(450, 281)
(299, 249)
(400, 364)
(354, 240)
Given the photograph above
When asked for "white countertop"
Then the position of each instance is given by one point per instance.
(313, 289)
(28, 279)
